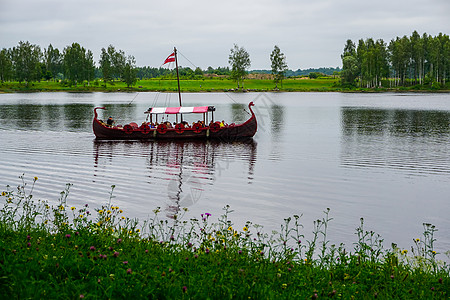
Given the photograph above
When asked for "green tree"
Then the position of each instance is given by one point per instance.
(118, 61)
(239, 59)
(417, 56)
(52, 61)
(26, 61)
(89, 67)
(6, 66)
(279, 66)
(74, 63)
(350, 68)
(349, 49)
(129, 72)
(198, 71)
(105, 66)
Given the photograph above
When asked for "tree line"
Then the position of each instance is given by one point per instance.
(406, 61)
(75, 65)
(27, 63)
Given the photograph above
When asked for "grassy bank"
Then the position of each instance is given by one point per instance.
(70, 252)
(204, 85)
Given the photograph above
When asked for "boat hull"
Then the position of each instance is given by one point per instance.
(230, 132)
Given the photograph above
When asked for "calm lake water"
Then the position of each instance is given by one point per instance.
(383, 157)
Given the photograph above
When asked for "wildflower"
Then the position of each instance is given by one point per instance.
(68, 236)
(417, 240)
(61, 207)
(208, 214)
(81, 295)
(185, 209)
(120, 211)
(28, 237)
(404, 252)
(28, 245)
(230, 228)
(92, 248)
(240, 251)
(245, 228)
(207, 251)
(123, 218)
(129, 271)
(119, 241)
(100, 211)
(72, 208)
(116, 254)
(35, 178)
(138, 230)
(284, 285)
(81, 216)
(125, 262)
(184, 289)
(3, 194)
(108, 212)
(146, 250)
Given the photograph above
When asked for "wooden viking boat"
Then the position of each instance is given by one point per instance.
(199, 130)
(133, 131)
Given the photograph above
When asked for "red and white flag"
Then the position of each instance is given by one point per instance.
(170, 58)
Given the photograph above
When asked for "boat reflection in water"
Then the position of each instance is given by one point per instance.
(177, 173)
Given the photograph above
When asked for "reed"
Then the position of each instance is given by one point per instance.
(63, 251)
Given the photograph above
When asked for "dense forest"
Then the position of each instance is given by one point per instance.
(406, 61)
(74, 65)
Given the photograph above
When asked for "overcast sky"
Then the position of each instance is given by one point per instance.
(311, 33)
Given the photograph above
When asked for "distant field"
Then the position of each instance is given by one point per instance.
(205, 85)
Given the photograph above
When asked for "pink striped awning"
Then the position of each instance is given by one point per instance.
(178, 110)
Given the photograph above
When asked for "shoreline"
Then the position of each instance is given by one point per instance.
(368, 91)
(210, 86)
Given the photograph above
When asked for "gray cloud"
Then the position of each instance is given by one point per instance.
(310, 33)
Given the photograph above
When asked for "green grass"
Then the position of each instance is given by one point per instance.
(170, 85)
(325, 84)
(66, 252)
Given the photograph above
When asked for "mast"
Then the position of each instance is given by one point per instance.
(178, 76)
